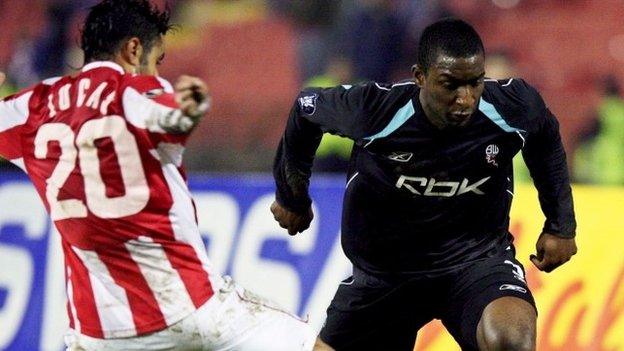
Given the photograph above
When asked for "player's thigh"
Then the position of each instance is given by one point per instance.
(477, 287)
(365, 315)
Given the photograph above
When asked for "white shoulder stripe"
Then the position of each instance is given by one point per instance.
(497, 81)
(14, 112)
(380, 87)
(166, 85)
(404, 83)
(51, 81)
(521, 137)
(394, 85)
(351, 179)
(143, 112)
(100, 64)
(509, 82)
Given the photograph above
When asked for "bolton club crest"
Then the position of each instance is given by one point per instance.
(490, 154)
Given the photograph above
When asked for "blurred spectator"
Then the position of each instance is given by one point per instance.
(314, 21)
(333, 153)
(8, 88)
(50, 50)
(416, 15)
(339, 70)
(600, 157)
(36, 57)
(372, 34)
(500, 64)
(21, 68)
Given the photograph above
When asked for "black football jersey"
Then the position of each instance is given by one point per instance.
(419, 199)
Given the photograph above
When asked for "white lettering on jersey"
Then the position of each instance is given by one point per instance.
(465, 188)
(83, 85)
(446, 189)
(63, 134)
(439, 188)
(107, 101)
(401, 183)
(51, 105)
(517, 271)
(94, 99)
(64, 99)
(513, 287)
(83, 148)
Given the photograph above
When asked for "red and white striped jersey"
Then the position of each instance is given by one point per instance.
(111, 178)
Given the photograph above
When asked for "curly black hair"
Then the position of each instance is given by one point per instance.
(111, 22)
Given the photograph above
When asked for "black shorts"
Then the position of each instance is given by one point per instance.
(380, 313)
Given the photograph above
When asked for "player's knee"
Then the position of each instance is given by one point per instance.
(510, 340)
(507, 323)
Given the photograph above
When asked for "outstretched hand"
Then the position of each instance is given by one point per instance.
(191, 94)
(292, 221)
(552, 251)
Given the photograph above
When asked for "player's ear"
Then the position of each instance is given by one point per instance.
(419, 75)
(132, 51)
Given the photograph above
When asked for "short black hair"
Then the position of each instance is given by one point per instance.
(450, 36)
(111, 22)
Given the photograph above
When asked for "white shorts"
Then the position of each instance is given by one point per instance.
(233, 319)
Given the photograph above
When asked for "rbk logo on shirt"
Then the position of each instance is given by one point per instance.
(401, 156)
(432, 187)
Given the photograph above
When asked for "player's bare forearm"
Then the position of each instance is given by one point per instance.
(552, 251)
(292, 221)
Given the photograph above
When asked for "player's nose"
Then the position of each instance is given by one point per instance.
(465, 97)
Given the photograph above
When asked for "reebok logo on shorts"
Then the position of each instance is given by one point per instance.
(512, 287)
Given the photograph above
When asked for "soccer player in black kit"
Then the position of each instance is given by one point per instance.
(426, 206)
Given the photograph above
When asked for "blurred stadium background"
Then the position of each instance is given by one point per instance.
(256, 55)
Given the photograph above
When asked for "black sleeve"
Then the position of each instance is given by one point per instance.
(351, 111)
(545, 157)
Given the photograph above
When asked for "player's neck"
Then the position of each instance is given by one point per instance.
(124, 62)
(126, 66)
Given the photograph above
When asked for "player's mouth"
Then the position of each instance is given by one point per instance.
(459, 118)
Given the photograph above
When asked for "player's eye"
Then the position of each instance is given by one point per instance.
(449, 85)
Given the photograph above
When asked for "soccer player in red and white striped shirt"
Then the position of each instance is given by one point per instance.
(104, 150)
